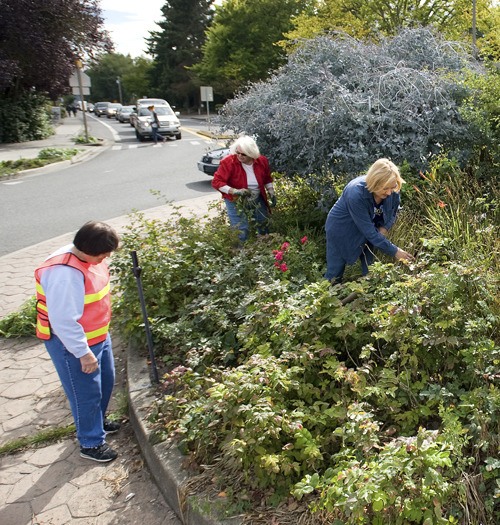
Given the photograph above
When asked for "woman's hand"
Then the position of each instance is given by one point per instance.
(89, 363)
(402, 255)
(383, 231)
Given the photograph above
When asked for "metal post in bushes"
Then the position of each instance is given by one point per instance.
(137, 270)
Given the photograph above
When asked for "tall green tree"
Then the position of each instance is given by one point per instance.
(133, 75)
(136, 81)
(375, 18)
(241, 42)
(176, 47)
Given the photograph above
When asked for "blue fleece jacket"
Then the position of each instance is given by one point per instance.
(350, 223)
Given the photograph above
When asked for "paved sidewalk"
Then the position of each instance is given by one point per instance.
(52, 485)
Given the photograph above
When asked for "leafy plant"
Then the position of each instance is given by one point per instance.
(81, 139)
(21, 323)
(375, 401)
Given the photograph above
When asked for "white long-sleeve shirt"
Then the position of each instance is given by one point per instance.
(64, 289)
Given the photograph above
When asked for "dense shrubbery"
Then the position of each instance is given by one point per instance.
(26, 118)
(376, 401)
(339, 103)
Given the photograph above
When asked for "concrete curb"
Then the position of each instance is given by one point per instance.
(164, 462)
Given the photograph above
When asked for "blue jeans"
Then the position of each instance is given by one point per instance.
(335, 264)
(88, 394)
(255, 208)
(155, 134)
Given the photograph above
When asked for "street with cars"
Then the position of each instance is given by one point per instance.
(130, 175)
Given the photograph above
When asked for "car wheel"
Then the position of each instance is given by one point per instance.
(139, 137)
(178, 136)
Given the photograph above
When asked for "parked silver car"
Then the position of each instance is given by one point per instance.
(209, 163)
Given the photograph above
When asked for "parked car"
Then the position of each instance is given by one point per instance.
(209, 163)
(169, 123)
(123, 113)
(100, 108)
(111, 110)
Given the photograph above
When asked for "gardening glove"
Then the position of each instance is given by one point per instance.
(272, 199)
(243, 192)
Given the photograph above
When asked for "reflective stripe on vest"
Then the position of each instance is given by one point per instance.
(97, 302)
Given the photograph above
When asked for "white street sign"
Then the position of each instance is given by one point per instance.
(73, 80)
(206, 93)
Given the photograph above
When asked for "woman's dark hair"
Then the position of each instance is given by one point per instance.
(96, 238)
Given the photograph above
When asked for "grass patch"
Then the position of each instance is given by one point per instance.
(89, 140)
(44, 437)
(45, 156)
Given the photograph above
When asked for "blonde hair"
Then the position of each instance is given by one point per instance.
(247, 146)
(382, 173)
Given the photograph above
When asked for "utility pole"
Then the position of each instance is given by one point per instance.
(118, 81)
(79, 66)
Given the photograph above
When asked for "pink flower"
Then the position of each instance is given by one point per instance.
(279, 256)
(285, 246)
(277, 264)
(441, 204)
(283, 267)
(303, 240)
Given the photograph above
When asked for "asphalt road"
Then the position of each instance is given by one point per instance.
(127, 177)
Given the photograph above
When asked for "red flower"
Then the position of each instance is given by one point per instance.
(304, 239)
(285, 246)
(277, 264)
(441, 204)
(279, 256)
(283, 267)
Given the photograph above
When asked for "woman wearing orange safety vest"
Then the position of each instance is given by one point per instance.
(73, 316)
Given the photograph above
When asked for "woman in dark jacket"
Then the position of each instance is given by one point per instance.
(361, 219)
(245, 174)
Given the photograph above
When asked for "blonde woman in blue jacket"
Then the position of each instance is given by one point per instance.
(361, 218)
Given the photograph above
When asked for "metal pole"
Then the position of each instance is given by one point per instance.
(118, 81)
(208, 113)
(80, 89)
(137, 274)
(474, 48)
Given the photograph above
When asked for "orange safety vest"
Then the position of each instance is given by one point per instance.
(97, 301)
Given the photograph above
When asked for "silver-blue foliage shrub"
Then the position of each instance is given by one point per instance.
(339, 104)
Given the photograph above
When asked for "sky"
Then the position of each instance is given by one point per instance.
(129, 23)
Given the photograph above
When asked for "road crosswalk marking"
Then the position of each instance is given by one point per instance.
(124, 145)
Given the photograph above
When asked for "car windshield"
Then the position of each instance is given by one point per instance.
(151, 101)
(115, 106)
(162, 110)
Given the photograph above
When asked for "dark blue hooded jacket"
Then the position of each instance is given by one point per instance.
(350, 223)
